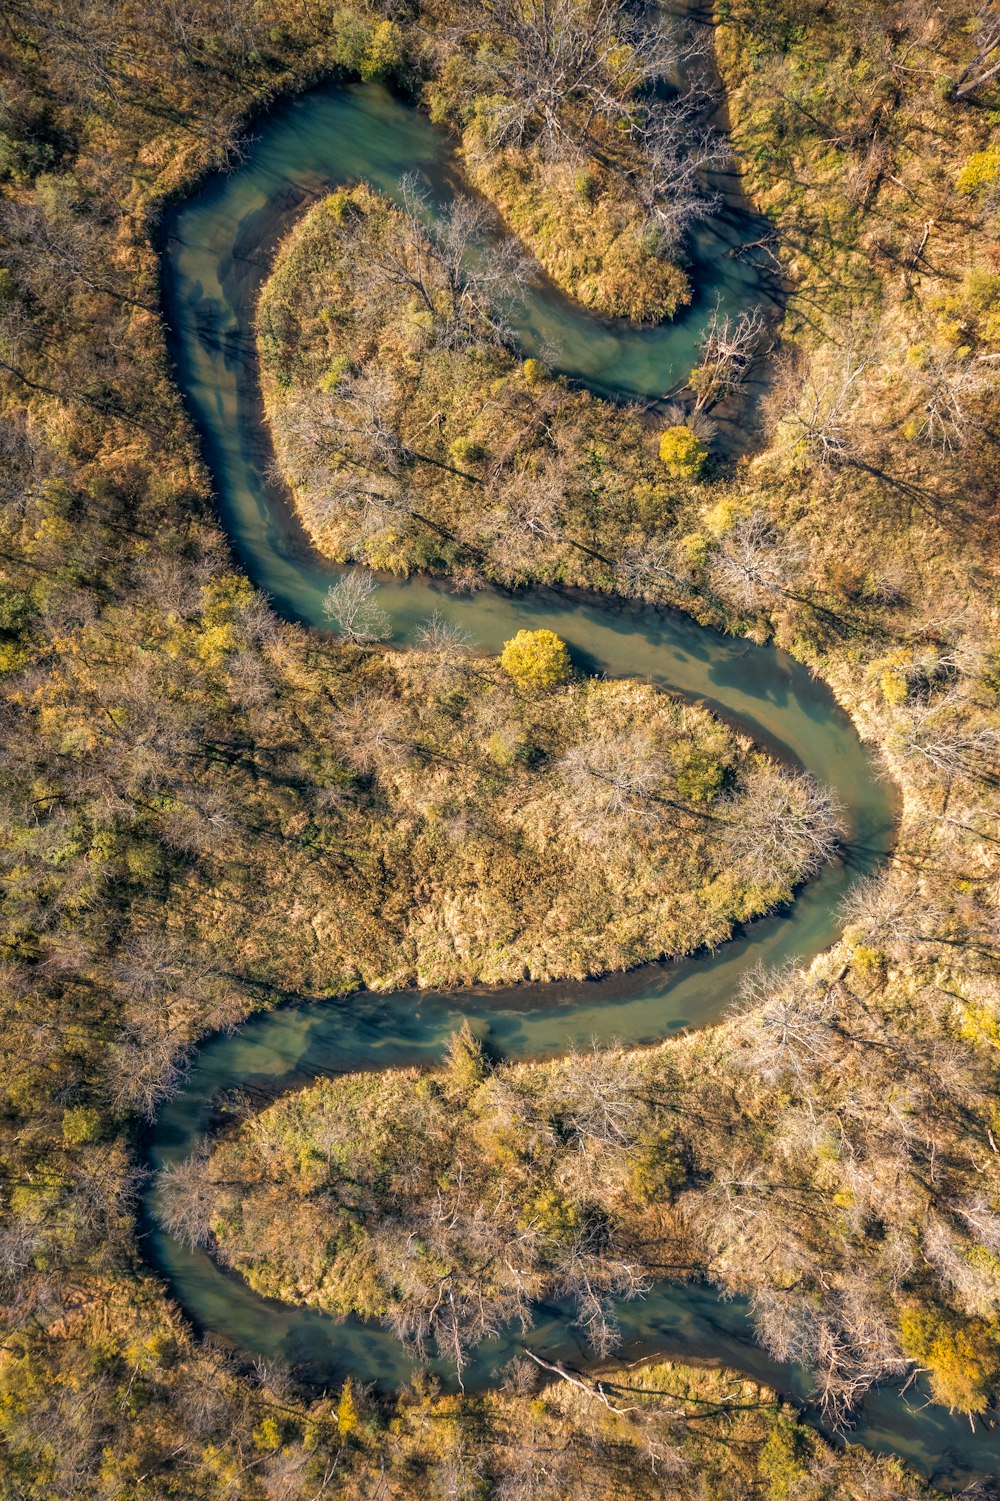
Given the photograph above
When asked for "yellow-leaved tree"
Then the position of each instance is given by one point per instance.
(683, 452)
(536, 659)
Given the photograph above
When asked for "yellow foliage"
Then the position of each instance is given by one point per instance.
(894, 686)
(80, 1124)
(384, 52)
(267, 1436)
(536, 659)
(961, 1361)
(683, 452)
(980, 170)
(347, 1411)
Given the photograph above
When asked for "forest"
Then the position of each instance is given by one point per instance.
(209, 810)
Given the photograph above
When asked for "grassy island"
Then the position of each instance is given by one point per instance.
(412, 436)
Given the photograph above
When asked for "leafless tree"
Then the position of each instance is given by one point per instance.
(727, 351)
(946, 384)
(369, 730)
(650, 569)
(525, 515)
(754, 561)
(678, 414)
(845, 1340)
(50, 242)
(186, 1197)
(440, 635)
(939, 738)
(984, 64)
(365, 415)
(825, 421)
(894, 911)
(345, 446)
(677, 150)
(464, 273)
(950, 1249)
(350, 606)
(600, 1096)
(781, 827)
(552, 68)
(593, 1274)
(144, 1067)
(615, 782)
(368, 504)
(788, 1024)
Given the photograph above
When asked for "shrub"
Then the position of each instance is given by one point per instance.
(347, 1410)
(895, 688)
(683, 452)
(700, 775)
(961, 1361)
(981, 169)
(267, 1436)
(534, 372)
(384, 51)
(783, 1458)
(464, 451)
(553, 1215)
(502, 748)
(80, 1124)
(536, 659)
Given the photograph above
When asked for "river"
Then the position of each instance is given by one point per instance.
(217, 249)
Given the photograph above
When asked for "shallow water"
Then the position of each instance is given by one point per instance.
(218, 247)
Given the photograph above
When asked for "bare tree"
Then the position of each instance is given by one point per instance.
(366, 418)
(677, 150)
(144, 1067)
(186, 1199)
(946, 384)
(893, 911)
(727, 351)
(465, 275)
(593, 1275)
(525, 515)
(600, 1096)
(788, 1024)
(938, 738)
(754, 561)
(440, 635)
(984, 64)
(551, 69)
(781, 827)
(825, 420)
(616, 783)
(350, 606)
(648, 569)
(51, 243)
(369, 730)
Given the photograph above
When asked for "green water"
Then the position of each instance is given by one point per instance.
(217, 249)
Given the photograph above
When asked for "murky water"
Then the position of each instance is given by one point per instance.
(217, 251)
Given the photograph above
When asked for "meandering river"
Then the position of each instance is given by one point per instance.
(217, 251)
